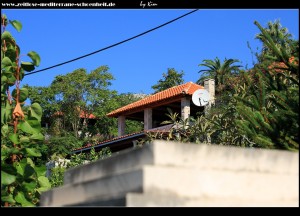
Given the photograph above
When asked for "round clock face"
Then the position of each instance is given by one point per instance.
(200, 97)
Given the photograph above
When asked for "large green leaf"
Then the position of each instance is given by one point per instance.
(7, 179)
(4, 153)
(42, 189)
(27, 66)
(28, 171)
(30, 126)
(6, 113)
(35, 125)
(25, 127)
(5, 62)
(24, 139)
(8, 198)
(36, 111)
(30, 162)
(23, 94)
(16, 24)
(3, 79)
(44, 182)
(34, 57)
(29, 186)
(20, 166)
(20, 198)
(3, 116)
(40, 170)
(6, 36)
(37, 137)
(11, 51)
(11, 80)
(33, 152)
(4, 130)
(14, 138)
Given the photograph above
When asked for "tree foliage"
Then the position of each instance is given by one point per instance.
(220, 72)
(83, 93)
(269, 109)
(57, 173)
(261, 107)
(280, 37)
(170, 79)
(22, 177)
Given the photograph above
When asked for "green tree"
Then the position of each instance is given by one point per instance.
(22, 177)
(280, 36)
(45, 96)
(170, 79)
(269, 109)
(109, 125)
(263, 110)
(220, 72)
(84, 93)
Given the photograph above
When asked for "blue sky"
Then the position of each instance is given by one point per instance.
(61, 35)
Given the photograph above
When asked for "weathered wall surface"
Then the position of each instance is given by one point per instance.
(180, 174)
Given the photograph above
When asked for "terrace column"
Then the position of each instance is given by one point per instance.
(185, 108)
(121, 125)
(147, 119)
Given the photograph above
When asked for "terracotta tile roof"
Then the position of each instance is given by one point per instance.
(81, 115)
(280, 66)
(187, 88)
(86, 115)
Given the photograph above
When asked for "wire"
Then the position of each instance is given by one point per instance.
(116, 44)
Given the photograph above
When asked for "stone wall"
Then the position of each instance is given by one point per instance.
(180, 174)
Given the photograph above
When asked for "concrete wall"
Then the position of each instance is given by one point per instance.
(181, 174)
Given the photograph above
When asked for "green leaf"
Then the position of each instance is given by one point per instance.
(16, 24)
(11, 52)
(30, 126)
(35, 125)
(23, 94)
(40, 170)
(28, 171)
(5, 62)
(7, 179)
(6, 36)
(3, 116)
(4, 153)
(24, 139)
(20, 166)
(34, 57)
(27, 66)
(12, 80)
(44, 182)
(30, 162)
(14, 138)
(3, 79)
(8, 198)
(29, 186)
(36, 111)
(20, 198)
(33, 152)
(42, 189)
(25, 127)
(37, 137)
(4, 130)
